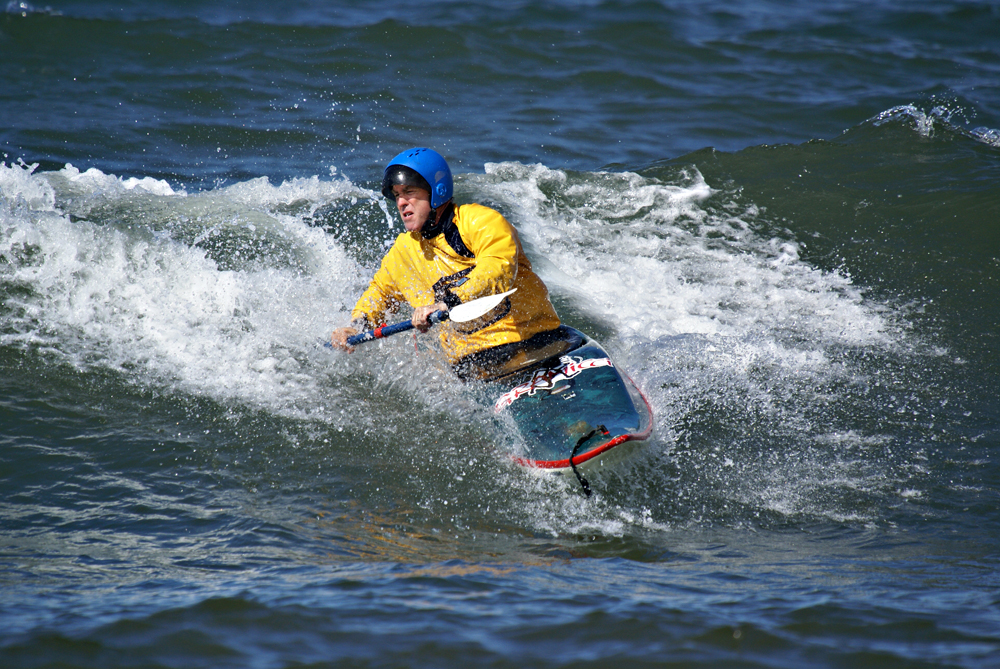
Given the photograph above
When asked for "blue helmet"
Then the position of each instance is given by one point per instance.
(420, 167)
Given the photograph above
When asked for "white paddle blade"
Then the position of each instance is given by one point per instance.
(472, 310)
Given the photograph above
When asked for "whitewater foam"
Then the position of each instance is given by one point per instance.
(227, 293)
(126, 292)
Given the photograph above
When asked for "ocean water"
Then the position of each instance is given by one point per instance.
(781, 219)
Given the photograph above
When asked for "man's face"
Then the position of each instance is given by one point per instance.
(414, 206)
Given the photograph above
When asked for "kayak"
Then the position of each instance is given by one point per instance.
(572, 410)
(575, 413)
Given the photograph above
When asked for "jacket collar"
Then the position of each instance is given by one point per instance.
(432, 231)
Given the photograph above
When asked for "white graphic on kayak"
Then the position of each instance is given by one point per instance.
(546, 379)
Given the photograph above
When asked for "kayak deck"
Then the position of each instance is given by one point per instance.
(574, 410)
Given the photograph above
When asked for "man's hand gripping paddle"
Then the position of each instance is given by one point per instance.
(468, 311)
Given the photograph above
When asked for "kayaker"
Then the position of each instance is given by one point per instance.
(451, 254)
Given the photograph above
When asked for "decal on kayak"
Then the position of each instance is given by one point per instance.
(546, 379)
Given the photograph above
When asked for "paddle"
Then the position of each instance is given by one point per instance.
(468, 311)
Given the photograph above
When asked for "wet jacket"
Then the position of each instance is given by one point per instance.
(476, 253)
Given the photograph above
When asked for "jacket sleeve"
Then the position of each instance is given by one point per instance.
(381, 296)
(494, 243)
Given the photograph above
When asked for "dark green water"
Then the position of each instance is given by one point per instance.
(783, 221)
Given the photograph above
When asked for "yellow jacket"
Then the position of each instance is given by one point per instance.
(425, 271)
